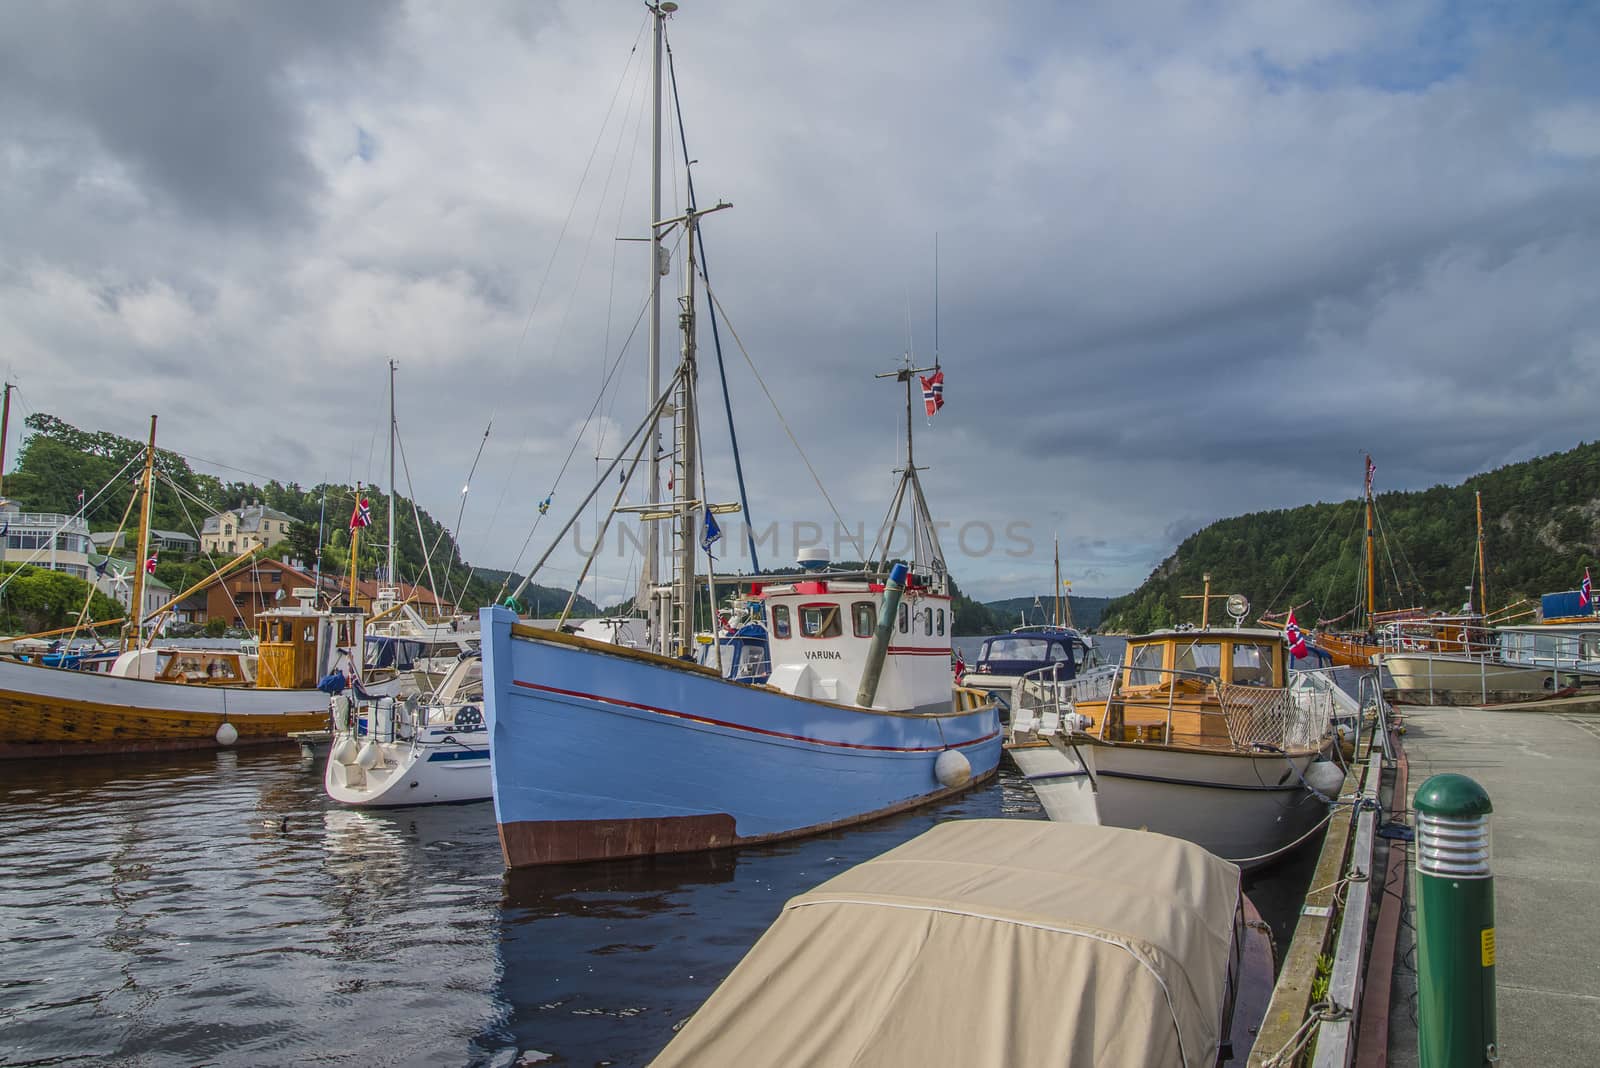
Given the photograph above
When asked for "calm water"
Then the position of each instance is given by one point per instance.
(216, 909)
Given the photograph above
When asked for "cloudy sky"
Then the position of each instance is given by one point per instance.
(1194, 259)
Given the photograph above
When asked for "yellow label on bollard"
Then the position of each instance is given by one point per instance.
(1486, 944)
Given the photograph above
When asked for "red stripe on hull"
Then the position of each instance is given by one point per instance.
(753, 730)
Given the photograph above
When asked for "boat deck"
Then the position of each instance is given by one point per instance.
(1539, 764)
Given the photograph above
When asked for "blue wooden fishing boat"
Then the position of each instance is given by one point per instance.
(601, 751)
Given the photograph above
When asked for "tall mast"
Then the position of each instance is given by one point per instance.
(652, 552)
(5, 430)
(1483, 575)
(388, 574)
(684, 475)
(922, 526)
(355, 546)
(1058, 579)
(136, 604)
(1371, 549)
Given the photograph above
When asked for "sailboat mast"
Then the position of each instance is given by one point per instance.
(685, 477)
(1483, 575)
(136, 602)
(388, 574)
(355, 545)
(1371, 549)
(649, 574)
(5, 430)
(1058, 580)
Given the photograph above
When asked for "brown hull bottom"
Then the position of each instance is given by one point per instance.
(25, 750)
(37, 726)
(530, 843)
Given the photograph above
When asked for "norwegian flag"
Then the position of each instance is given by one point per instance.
(150, 565)
(1292, 635)
(932, 391)
(1585, 591)
(361, 516)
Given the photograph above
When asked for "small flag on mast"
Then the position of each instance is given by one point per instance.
(712, 534)
(1585, 591)
(1292, 635)
(361, 515)
(150, 565)
(932, 391)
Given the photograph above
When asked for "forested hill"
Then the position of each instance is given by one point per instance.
(58, 460)
(1086, 611)
(1541, 529)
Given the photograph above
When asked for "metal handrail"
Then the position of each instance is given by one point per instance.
(1254, 716)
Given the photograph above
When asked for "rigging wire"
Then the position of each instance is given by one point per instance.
(577, 439)
(1332, 515)
(572, 209)
(82, 511)
(422, 539)
(776, 410)
(716, 336)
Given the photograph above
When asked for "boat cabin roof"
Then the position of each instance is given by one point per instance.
(1074, 944)
(1210, 634)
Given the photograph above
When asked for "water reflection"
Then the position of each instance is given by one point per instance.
(217, 908)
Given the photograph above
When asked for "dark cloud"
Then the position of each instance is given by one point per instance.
(1194, 260)
(200, 104)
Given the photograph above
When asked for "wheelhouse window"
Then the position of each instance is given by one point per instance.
(941, 622)
(1145, 666)
(927, 622)
(1252, 665)
(905, 617)
(780, 621)
(865, 618)
(820, 621)
(1200, 658)
(1031, 650)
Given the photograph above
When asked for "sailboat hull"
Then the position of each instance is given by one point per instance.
(600, 752)
(46, 712)
(1434, 678)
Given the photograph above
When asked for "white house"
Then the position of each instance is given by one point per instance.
(245, 527)
(44, 539)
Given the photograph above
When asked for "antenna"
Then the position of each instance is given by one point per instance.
(936, 299)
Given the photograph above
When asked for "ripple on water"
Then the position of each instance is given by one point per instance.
(216, 908)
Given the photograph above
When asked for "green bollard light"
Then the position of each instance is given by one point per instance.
(1455, 925)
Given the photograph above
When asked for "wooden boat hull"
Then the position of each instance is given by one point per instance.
(1347, 651)
(1246, 808)
(45, 712)
(600, 752)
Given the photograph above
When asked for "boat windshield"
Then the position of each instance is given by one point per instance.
(1144, 664)
(1200, 658)
(1033, 650)
(1252, 665)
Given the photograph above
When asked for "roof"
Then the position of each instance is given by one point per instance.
(369, 588)
(988, 942)
(248, 516)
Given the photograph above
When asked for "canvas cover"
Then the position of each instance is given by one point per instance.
(987, 942)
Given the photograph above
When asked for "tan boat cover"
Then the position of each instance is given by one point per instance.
(987, 942)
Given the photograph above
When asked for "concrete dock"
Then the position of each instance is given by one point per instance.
(1540, 764)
